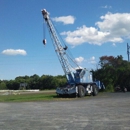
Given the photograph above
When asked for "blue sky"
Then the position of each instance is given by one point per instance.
(90, 28)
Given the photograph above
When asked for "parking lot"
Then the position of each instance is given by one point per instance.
(107, 111)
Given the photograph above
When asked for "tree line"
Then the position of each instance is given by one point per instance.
(34, 82)
(112, 71)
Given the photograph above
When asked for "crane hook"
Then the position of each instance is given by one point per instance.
(44, 41)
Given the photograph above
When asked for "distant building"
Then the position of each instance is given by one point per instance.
(23, 85)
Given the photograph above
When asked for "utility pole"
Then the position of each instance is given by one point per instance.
(128, 53)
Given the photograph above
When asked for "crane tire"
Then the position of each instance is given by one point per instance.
(95, 90)
(81, 91)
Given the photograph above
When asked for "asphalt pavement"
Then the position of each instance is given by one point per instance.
(107, 111)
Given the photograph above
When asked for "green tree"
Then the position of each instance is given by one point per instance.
(113, 71)
(34, 82)
(3, 85)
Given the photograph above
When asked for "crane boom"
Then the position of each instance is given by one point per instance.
(67, 63)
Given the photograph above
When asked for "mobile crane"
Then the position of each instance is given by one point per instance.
(79, 80)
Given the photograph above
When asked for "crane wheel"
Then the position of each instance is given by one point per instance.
(81, 91)
(95, 90)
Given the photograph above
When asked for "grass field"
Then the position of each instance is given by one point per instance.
(26, 97)
(32, 96)
(47, 95)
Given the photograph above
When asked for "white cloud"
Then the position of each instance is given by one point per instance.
(106, 7)
(92, 60)
(79, 59)
(85, 34)
(14, 52)
(113, 44)
(112, 28)
(65, 19)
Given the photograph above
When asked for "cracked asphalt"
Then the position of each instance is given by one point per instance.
(107, 111)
